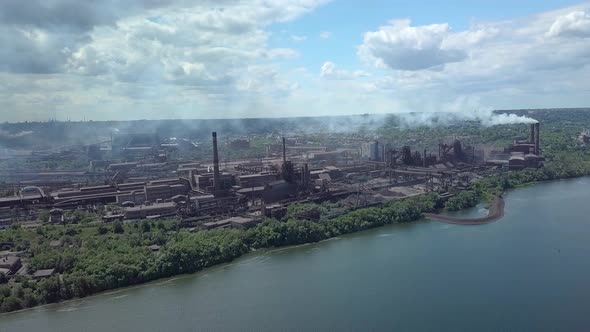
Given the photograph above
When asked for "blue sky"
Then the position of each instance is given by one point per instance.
(146, 59)
(348, 20)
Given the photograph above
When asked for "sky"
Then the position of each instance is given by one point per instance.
(165, 59)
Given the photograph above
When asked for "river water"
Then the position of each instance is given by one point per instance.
(527, 271)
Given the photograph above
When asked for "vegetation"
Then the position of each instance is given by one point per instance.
(94, 258)
(462, 200)
(308, 211)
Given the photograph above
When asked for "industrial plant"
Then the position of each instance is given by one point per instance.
(136, 177)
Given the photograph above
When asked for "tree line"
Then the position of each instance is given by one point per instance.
(90, 259)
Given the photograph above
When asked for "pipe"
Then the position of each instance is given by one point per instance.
(216, 183)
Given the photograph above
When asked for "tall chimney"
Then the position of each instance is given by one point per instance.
(216, 183)
(424, 163)
(537, 138)
(284, 151)
(532, 134)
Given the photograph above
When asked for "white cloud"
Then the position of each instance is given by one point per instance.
(330, 72)
(67, 32)
(298, 38)
(191, 59)
(213, 53)
(325, 34)
(404, 47)
(574, 24)
(507, 64)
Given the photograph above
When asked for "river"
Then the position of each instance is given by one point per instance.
(528, 271)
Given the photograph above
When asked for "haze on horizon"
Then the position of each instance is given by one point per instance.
(163, 59)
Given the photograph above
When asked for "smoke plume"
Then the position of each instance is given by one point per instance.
(485, 118)
(5, 134)
(460, 110)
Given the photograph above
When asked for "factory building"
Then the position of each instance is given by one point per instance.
(255, 180)
(155, 191)
(136, 197)
(152, 210)
(374, 151)
(206, 181)
(124, 192)
(516, 162)
(278, 190)
(337, 157)
(526, 153)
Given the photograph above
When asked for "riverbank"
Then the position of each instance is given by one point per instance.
(495, 212)
(94, 261)
(373, 279)
(97, 259)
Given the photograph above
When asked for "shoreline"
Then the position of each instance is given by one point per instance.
(256, 253)
(261, 251)
(495, 212)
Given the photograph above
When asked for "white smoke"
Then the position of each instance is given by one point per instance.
(6, 134)
(461, 109)
(493, 119)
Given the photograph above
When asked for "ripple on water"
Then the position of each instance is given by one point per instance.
(73, 308)
(167, 282)
(120, 296)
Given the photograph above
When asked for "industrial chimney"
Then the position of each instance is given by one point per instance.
(532, 134)
(537, 139)
(216, 184)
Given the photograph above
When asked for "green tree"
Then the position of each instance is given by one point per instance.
(10, 303)
(102, 230)
(118, 228)
(145, 226)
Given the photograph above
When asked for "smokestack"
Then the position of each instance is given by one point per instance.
(284, 151)
(532, 134)
(216, 183)
(424, 164)
(537, 138)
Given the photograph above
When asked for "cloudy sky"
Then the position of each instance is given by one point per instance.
(153, 59)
